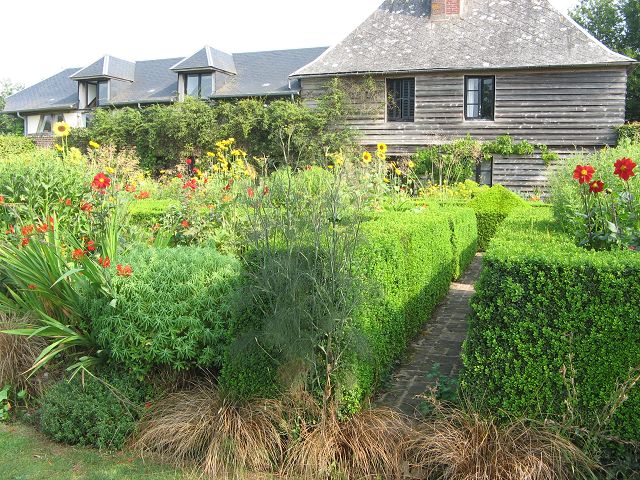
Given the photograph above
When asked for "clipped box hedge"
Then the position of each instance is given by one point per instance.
(150, 211)
(405, 263)
(545, 306)
(464, 237)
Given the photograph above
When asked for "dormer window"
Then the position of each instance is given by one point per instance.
(97, 94)
(198, 85)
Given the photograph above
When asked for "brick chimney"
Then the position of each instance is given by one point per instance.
(442, 8)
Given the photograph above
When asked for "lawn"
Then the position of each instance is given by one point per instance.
(28, 455)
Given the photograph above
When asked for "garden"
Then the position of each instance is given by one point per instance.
(231, 302)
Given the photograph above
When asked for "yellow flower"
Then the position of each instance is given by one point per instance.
(94, 145)
(216, 168)
(382, 148)
(398, 171)
(411, 164)
(61, 129)
(238, 153)
(58, 147)
(330, 167)
(211, 154)
(386, 180)
(110, 170)
(366, 157)
(381, 156)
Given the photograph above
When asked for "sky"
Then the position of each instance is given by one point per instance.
(48, 36)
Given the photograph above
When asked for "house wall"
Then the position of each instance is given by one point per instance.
(74, 119)
(560, 108)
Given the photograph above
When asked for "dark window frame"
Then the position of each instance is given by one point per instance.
(98, 101)
(396, 103)
(482, 78)
(201, 76)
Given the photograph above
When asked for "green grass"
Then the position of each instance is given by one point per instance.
(27, 455)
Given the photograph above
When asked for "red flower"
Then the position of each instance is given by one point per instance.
(67, 202)
(25, 241)
(190, 184)
(130, 188)
(125, 271)
(624, 168)
(596, 187)
(77, 254)
(142, 195)
(42, 228)
(583, 173)
(265, 192)
(31, 286)
(86, 207)
(250, 192)
(104, 262)
(11, 230)
(101, 181)
(28, 230)
(179, 176)
(1, 199)
(184, 223)
(147, 405)
(188, 161)
(91, 246)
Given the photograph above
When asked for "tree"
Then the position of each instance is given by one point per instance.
(8, 123)
(616, 23)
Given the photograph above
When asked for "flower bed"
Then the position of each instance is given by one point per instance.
(555, 328)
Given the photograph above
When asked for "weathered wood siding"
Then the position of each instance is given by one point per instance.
(560, 108)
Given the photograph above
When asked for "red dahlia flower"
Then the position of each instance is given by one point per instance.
(188, 161)
(624, 168)
(101, 181)
(179, 176)
(583, 173)
(596, 187)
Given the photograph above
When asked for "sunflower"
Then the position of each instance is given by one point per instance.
(382, 148)
(94, 145)
(366, 157)
(61, 129)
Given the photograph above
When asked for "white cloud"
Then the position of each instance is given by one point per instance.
(49, 36)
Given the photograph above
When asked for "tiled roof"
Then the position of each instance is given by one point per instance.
(207, 58)
(107, 67)
(402, 35)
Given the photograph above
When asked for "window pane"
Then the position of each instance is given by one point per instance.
(401, 94)
(206, 86)
(472, 97)
(473, 84)
(92, 93)
(103, 93)
(44, 125)
(473, 111)
(487, 98)
(192, 88)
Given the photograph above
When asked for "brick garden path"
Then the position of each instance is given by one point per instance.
(440, 342)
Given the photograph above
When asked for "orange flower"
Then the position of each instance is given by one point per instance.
(142, 195)
(130, 188)
(28, 230)
(42, 228)
(91, 246)
(250, 192)
(11, 230)
(185, 224)
(86, 207)
(104, 262)
(25, 241)
(125, 271)
(1, 199)
(77, 254)
(31, 286)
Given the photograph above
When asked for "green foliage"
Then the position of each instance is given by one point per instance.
(281, 130)
(12, 145)
(149, 212)
(464, 237)
(92, 412)
(175, 310)
(555, 328)
(449, 163)
(406, 262)
(504, 145)
(617, 25)
(629, 132)
(8, 123)
(492, 206)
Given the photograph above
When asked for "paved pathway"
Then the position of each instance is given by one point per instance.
(440, 342)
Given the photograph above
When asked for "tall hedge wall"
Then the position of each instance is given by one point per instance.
(405, 264)
(544, 305)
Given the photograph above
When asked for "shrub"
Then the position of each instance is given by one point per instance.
(175, 309)
(12, 145)
(629, 131)
(492, 206)
(464, 237)
(150, 211)
(406, 265)
(555, 328)
(92, 412)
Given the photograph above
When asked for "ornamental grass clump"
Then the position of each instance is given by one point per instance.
(17, 354)
(462, 444)
(202, 429)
